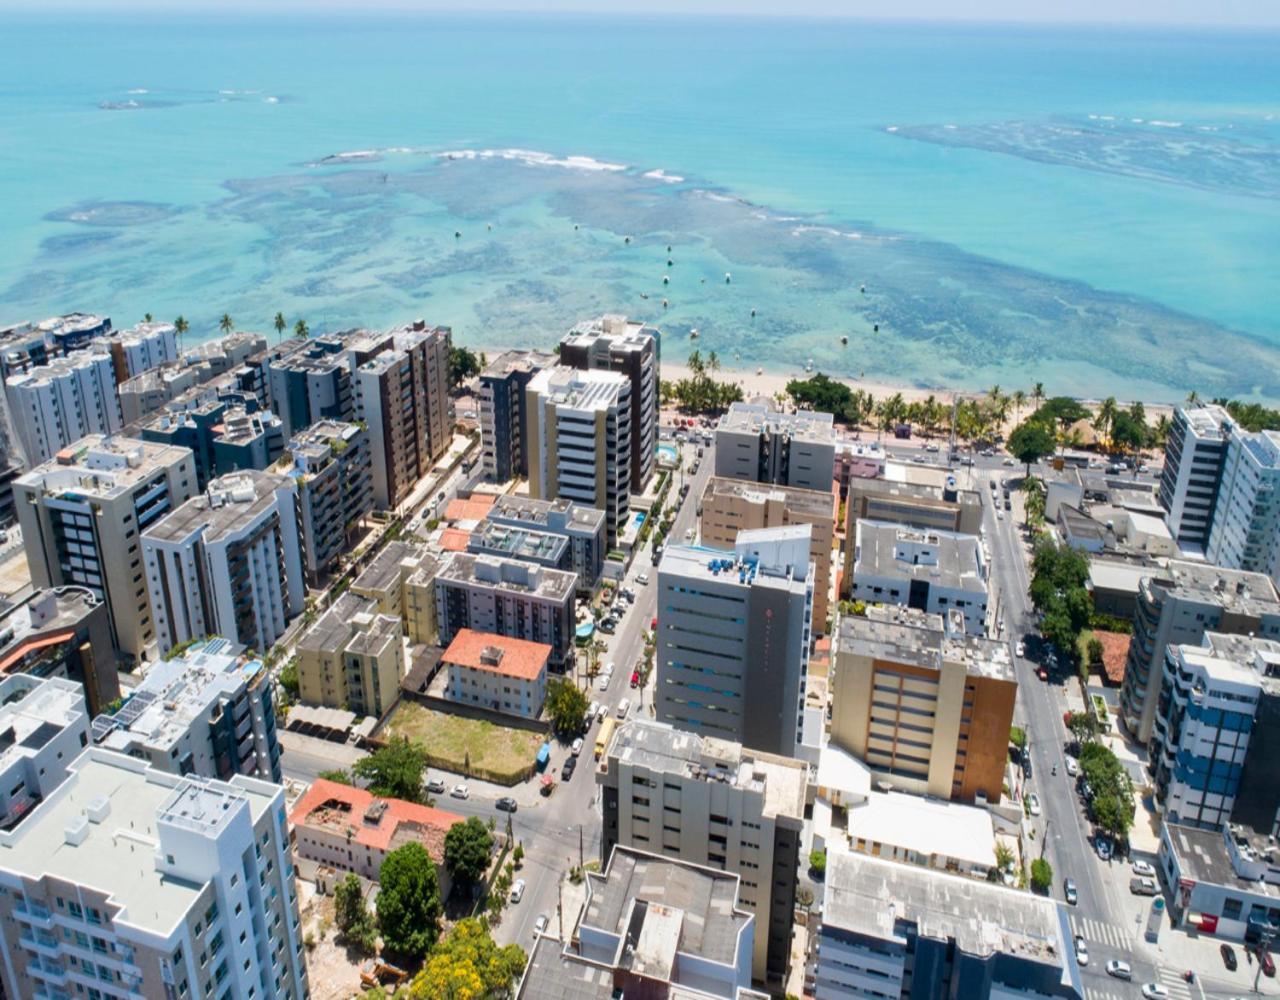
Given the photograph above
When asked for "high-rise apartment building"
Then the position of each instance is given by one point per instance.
(612, 343)
(732, 505)
(82, 516)
(1193, 457)
(713, 803)
(228, 562)
(901, 931)
(1246, 517)
(130, 881)
(57, 404)
(138, 349)
(210, 711)
(766, 446)
(503, 418)
(923, 704)
(43, 728)
(383, 578)
(1177, 605)
(62, 633)
(1214, 739)
(583, 527)
(733, 638)
(402, 395)
(579, 441)
(29, 345)
(352, 658)
(244, 440)
(507, 597)
(335, 490)
(311, 381)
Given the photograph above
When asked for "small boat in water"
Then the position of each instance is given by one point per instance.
(753, 314)
(727, 277)
(844, 340)
(666, 280)
(693, 333)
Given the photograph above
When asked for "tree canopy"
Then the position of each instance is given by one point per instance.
(463, 364)
(1058, 591)
(1032, 440)
(395, 771)
(408, 902)
(1251, 416)
(1041, 875)
(467, 848)
(466, 964)
(567, 706)
(700, 393)
(1112, 804)
(351, 915)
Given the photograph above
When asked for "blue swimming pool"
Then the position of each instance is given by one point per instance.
(668, 454)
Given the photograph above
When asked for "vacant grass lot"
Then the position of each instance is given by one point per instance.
(473, 747)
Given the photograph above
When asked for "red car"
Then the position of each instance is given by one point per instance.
(635, 678)
(653, 625)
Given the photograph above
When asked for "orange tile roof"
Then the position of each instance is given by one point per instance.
(520, 658)
(454, 539)
(474, 509)
(329, 803)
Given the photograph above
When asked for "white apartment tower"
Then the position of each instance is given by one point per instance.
(228, 562)
(1246, 517)
(56, 404)
(1193, 457)
(129, 881)
(579, 447)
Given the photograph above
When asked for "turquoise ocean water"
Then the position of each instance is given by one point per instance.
(1097, 210)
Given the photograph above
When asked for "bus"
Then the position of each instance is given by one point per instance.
(605, 736)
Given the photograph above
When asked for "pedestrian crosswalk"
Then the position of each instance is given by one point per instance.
(1095, 994)
(1169, 979)
(1101, 932)
(1179, 988)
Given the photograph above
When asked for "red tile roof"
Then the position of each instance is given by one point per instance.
(454, 540)
(328, 803)
(519, 657)
(474, 509)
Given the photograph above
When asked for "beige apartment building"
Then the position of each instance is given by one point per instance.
(351, 658)
(733, 505)
(925, 706)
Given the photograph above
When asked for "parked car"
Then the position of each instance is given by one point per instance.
(517, 890)
(436, 786)
(1082, 951)
(1267, 962)
(593, 711)
(602, 682)
(608, 626)
(567, 768)
(1143, 886)
(1033, 804)
(1228, 957)
(1103, 847)
(1026, 766)
(1069, 891)
(577, 747)
(635, 678)
(460, 791)
(653, 624)
(540, 924)
(1073, 768)
(624, 707)
(1144, 868)
(602, 713)
(506, 804)
(643, 579)
(1118, 969)
(1021, 649)
(1154, 991)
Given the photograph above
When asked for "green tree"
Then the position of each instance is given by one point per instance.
(1082, 726)
(1031, 441)
(818, 863)
(408, 902)
(279, 323)
(1018, 737)
(338, 775)
(1037, 395)
(567, 707)
(467, 965)
(351, 915)
(395, 771)
(181, 326)
(463, 364)
(1041, 875)
(1104, 419)
(300, 329)
(226, 324)
(288, 678)
(467, 848)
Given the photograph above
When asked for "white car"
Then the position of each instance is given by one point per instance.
(1119, 970)
(609, 667)
(602, 683)
(540, 924)
(517, 891)
(624, 707)
(1009, 461)
(1144, 868)
(460, 791)
(577, 747)
(1154, 991)
(602, 713)
(592, 712)
(1082, 951)
(1073, 768)
(1033, 804)
(643, 579)
(1021, 649)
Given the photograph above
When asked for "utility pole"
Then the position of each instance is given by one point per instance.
(560, 907)
(581, 863)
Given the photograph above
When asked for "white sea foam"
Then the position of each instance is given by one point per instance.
(950, 128)
(1108, 118)
(891, 128)
(1136, 121)
(271, 100)
(1161, 124)
(533, 157)
(662, 175)
(139, 90)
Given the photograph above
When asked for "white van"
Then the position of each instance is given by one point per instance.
(624, 707)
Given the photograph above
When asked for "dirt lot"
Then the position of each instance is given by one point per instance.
(332, 974)
(455, 742)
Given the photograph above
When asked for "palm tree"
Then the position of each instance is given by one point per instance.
(146, 317)
(181, 326)
(1019, 401)
(280, 324)
(226, 324)
(1037, 394)
(301, 329)
(713, 362)
(1193, 398)
(1106, 418)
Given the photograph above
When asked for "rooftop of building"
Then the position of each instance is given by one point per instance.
(1236, 590)
(782, 781)
(662, 907)
(473, 508)
(378, 823)
(330, 632)
(518, 542)
(756, 418)
(1205, 857)
(176, 692)
(238, 426)
(574, 388)
(55, 368)
(33, 710)
(373, 633)
(913, 474)
(140, 331)
(1263, 447)
(1209, 421)
(554, 972)
(1112, 572)
(233, 342)
(311, 448)
(227, 505)
(877, 898)
(771, 557)
(538, 512)
(510, 575)
(518, 361)
(621, 332)
(923, 492)
(385, 569)
(156, 379)
(47, 616)
(885, 549)
(103, 466)
(929, 827)
(517, 658)
(1081, 527)
(101, 829)
(901, 634)
(806, 503)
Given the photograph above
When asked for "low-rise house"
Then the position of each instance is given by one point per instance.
(496, 672)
